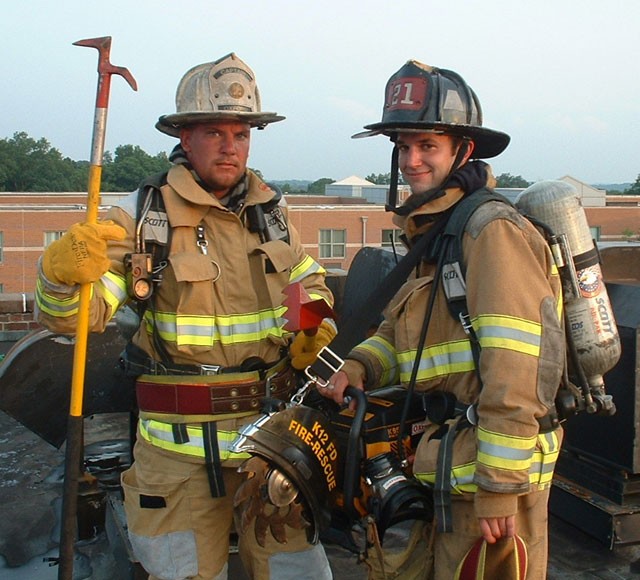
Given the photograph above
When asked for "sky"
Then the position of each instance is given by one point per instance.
(562, 77)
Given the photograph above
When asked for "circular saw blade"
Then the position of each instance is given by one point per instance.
(280, 488)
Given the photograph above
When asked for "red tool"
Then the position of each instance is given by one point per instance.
(303, 312)
(74, 451)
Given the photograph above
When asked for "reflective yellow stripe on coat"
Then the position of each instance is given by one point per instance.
(112, 287)
(509, 332)
(185, 330)
(385, 353)
(438, 360)
(506, 453)
(160, 435)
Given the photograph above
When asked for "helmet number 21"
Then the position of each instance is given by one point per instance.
(397, 90)
(407, 93)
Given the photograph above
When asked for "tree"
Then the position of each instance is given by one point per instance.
(131, 164)
(383, 178)
(30, 165)
(508, 180)
(317, 186)
(379, 179)
(634, 189)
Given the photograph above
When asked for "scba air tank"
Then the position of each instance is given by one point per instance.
(589, 316)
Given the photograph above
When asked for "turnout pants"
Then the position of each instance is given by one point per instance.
(421, 557)
(531, 526)
(178, 531)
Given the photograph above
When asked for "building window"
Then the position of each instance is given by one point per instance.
(333, 243)
(391, 238)
(51, 237)
(1, 246)
(1, 288)
(595, 233)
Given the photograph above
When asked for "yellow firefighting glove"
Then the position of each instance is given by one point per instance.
(80, 255)
(304, 349)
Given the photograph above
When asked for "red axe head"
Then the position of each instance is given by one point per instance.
(303, 312)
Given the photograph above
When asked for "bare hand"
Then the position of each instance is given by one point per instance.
(336, 387)
(495, 528)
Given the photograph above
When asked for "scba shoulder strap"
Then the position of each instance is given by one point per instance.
(153, 231)
(454, 269)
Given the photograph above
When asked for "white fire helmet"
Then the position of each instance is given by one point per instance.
(225, 89)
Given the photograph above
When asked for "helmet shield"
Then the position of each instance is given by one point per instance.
(225, 89)
(421, 98)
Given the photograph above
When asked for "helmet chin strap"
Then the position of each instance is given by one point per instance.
(392, 198)
(419, 199)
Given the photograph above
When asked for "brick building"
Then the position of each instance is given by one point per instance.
(332, 228)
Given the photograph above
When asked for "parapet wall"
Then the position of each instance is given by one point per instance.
(16, 316)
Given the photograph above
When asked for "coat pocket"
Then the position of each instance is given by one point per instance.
(277, 260)
(159, 526)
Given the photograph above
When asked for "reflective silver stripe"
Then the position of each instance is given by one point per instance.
(116, 286)
(385, 353)
(504, 452)
(154, 430)
(305, 268)
(160, 434)
(212, 329)
(434, 362)
(494, 331)
(58, 308)
(380, 348)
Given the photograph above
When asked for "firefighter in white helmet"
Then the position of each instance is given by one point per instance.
(490, 461)
(211, 342)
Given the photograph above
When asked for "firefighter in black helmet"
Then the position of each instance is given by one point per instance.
(491, 462)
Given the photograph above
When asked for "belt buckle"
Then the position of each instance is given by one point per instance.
(157, 368)
(465, 320)
(210, 370)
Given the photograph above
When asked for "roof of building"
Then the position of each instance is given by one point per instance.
(352, 180)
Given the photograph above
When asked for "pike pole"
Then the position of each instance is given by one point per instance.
(75, 435)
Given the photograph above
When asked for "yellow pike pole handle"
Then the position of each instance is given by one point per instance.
(74, 444)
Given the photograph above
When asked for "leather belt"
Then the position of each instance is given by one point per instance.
(154, 367)
(157, 395)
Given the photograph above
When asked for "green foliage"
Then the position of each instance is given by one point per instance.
(628, 234)
(317, 187)
(291, 186)
(383, 178)
(508, 180)
(291, 189)
(130, 166)
(379, 178)
(634, 189)
(30, 165)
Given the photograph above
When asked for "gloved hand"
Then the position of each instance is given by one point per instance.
(304, 349)
(80, 255)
